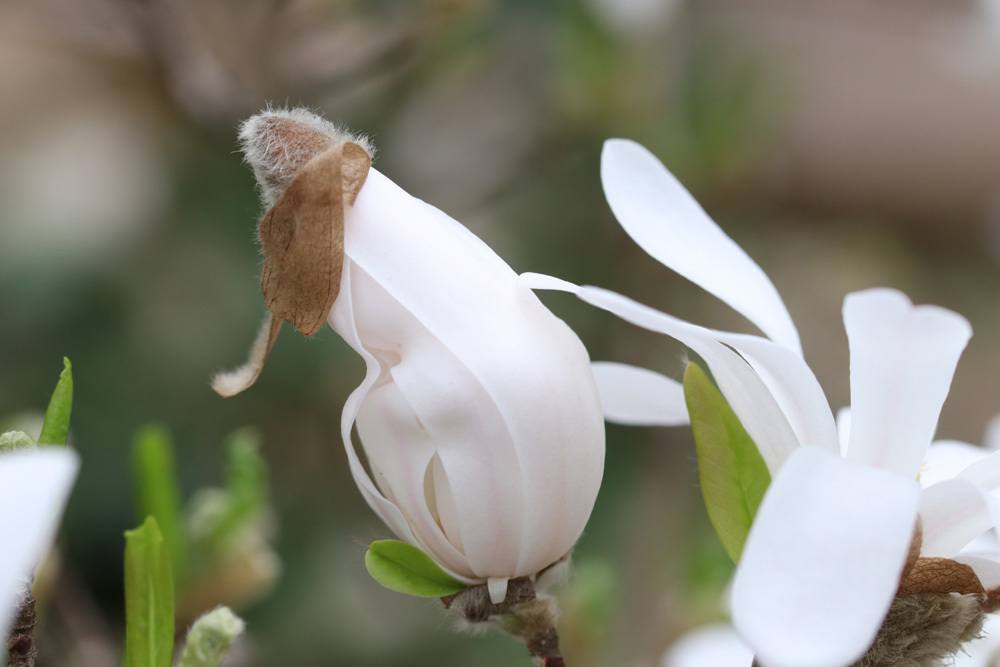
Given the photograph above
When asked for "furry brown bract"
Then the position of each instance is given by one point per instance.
(309, 173)
(925, 629)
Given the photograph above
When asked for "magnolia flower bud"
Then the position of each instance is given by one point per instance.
(478, 414)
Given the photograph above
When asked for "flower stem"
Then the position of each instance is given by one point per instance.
(525, 614)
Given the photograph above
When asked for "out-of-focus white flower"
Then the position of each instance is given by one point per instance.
(34, 486)
(715, 645)
(478, 414)
(823, 559)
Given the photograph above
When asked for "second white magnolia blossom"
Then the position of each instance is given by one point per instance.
(478, 414)
(34, 486)
(822, 563)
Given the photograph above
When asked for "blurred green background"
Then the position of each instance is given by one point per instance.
(844, 145)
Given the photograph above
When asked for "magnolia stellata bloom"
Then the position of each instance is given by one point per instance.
(823, 559)
(478, 414)
(34, 486)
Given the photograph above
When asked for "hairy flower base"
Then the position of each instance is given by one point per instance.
(525, 614)
(21, 649)
(925, 629)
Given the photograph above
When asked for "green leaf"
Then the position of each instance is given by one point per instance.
(406, 569)
(732, 472)
(149, 598)
(157, 493)
(55, 429)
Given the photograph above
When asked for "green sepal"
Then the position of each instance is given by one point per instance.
(733, 475)
(55, 429)
(404, 568)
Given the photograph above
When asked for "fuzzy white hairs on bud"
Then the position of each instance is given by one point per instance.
(277, 143)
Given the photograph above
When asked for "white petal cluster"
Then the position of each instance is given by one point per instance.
(823, 559)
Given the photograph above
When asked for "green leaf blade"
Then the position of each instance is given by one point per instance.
(732, 473)
(157, 493)
(403, 568)
(149, 598)
(55, 429)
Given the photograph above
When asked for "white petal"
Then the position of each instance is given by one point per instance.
(982, 652)
(844, 429)
(793, 385)
(984, 473)
(638, 396)
(715, 645)
(401, 455)
(530, 368)
(665, 220)
(954, 512)
(902, 361)
(497, 588)
(342, 319)
(822, 561)
(946, 459)
(34, 486)
(743, 388)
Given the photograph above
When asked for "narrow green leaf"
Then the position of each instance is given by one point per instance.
(732, 472)
(149, 598)
(157, 492)
(406, 569)
(55, 429)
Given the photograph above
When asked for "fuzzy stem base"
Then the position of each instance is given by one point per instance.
(525, 614)
(21, 649)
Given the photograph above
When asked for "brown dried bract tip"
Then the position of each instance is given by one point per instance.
(309, 173)
(941, 575)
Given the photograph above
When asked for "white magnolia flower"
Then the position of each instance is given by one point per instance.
(34, 486)
(478, 414)
(823, 560)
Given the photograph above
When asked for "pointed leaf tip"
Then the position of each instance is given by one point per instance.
(404, 568)
(733, 474)
(55, 429)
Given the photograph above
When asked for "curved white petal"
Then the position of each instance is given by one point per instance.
(402, 456)
(666, 221)
(793, 385)
(743, 388)
(34, 486)
(844, 429)
(985, 472)
(822, 561)
(638, 396)
(945, 459)
(903, 358)
(531, 375)
(953, 513)
(715, 645)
